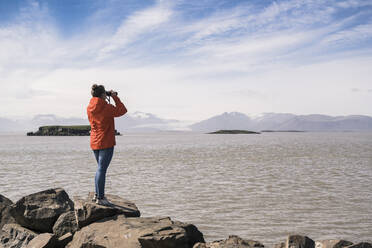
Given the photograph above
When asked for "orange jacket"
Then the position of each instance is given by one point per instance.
(101, 118)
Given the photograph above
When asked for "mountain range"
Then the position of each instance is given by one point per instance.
(282, 122)
(146, 122)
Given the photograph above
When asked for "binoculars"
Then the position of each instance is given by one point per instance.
(108, 93)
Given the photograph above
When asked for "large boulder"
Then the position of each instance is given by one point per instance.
(66, 223)
(332, 243)
(44, 240)
(119, 231)
(39, 211)
(232, 242)
(299, 241)
(88, 211)
(64, 228)
(5, 215)
(15, 236)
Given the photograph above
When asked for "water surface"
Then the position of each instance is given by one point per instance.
(260, 187)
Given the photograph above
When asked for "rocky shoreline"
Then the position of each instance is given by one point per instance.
(50, 219)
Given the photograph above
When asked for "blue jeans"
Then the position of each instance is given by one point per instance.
(103, 157)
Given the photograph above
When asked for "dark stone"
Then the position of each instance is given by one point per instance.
(88, 211)
(15, 236)
(232, 242)
(298, 241)
(5, 213)
(183, 235)
(66, 223)
(119, 231)
(361, 245)
(44, 240)
(192, 232)
(64, 240)
(39, 211)
(332, 243)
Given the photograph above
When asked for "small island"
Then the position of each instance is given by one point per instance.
(234, 132)
(78, 130)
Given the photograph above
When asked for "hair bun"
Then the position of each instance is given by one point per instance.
(94, 86)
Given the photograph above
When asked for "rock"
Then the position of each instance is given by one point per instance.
(15, 236)
(194, 235)
(5, 215)
(332, 243)
(232, 242)
(119, 231)
(88, 212)
(39, 211)
(361, 245)
(280, 245)
(298, 241)
(66, 223)
(44, 240)
(64, 240)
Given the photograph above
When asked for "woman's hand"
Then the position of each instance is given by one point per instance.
(113, 93)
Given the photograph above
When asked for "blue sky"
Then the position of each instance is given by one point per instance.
(187, 59)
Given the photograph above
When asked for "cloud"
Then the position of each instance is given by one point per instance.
(351, 36)
(140, 23)
(357, 90)
(161, 58)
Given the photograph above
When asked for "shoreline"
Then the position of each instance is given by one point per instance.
(94, 223)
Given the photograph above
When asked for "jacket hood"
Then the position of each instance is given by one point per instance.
(96, 105)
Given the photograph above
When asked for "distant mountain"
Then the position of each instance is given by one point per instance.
(145, 122)
(49, 119)
(8, 125)
(225, 121)
(131, 122)
(278, 121)
(328, 123)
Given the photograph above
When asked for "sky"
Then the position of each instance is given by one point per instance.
(187, 59)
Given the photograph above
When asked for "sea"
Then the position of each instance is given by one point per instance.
(257, 186)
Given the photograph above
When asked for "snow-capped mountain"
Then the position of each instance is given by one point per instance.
(280, 121)
(50, 119)
(131, 122)
(145, 122)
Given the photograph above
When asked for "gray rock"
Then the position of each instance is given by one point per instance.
(15, 236)
(332, 243)
(5, 215)
(361, 245)
(39, 211)
(44, 240)
(119, 231)
(232, 242)
(88, 212)
(299, 241)
(66, 223)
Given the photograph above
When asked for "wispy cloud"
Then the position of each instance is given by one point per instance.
(168, 52)
(135, 26)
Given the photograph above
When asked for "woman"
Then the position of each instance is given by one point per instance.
(102, 135)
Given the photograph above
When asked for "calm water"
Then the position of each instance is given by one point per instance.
(260, 187)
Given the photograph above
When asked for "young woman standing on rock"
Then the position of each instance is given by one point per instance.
(102, 135)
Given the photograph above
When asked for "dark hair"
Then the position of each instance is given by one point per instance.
(97, 90)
